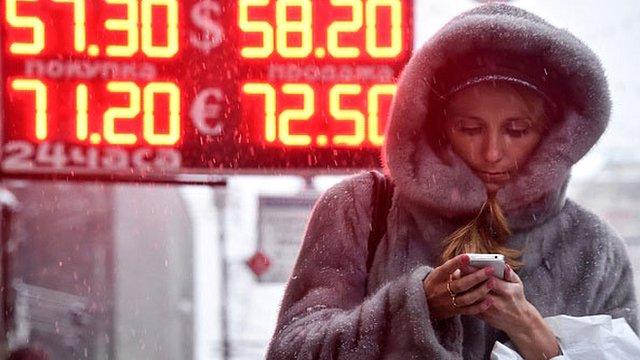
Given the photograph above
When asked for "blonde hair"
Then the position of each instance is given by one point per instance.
(489, 230)
(486, 233)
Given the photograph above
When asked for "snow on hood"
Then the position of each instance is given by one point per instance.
(539, 188)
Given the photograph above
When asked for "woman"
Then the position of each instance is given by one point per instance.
(489, 117)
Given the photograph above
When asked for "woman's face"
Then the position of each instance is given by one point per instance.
(491, 128)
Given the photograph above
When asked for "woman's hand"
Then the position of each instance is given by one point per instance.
(471, 291)
(512, 313)
(510, 309)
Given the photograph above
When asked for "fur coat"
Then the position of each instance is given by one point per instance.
(575, 263)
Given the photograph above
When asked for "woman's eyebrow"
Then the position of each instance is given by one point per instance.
(516, 118)
(467, 116)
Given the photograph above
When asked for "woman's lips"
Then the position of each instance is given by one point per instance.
(493, 177)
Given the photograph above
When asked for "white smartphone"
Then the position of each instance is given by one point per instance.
(496, 261)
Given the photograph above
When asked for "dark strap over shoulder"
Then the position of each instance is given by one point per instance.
(381, 196)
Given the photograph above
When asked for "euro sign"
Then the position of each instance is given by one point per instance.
(205, 111)
(210, 34)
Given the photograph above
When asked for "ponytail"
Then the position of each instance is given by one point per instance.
(486, 233)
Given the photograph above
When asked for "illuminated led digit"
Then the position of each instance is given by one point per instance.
(129, 25)
(32, 22)
(340, 114)
(79, 24)
(120, 113)
(149, 126)
(40, 91)
(160, 51)
(337, 27)
(269, 106)
(308, 108)
(252, 26)
(373, 104)
(82, 112)
(284, 27)
(372, 32)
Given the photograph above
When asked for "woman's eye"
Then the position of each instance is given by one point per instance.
(471, 130)
(517, 132)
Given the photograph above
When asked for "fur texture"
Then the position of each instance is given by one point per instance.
(419, 173)
(575, 263)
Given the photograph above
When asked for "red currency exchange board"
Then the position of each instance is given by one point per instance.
(150, 89)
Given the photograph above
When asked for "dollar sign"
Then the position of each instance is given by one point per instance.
(211, 33)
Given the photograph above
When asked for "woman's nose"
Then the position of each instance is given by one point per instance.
(493, 149)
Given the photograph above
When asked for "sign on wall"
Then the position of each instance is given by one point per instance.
(281, 225)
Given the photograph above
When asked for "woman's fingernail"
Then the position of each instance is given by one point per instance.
(490, 284)
(488, 271)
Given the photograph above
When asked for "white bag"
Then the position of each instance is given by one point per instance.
(585, 338)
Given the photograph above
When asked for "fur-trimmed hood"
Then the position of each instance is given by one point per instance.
(538, 190)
